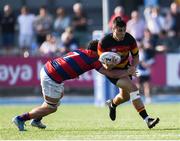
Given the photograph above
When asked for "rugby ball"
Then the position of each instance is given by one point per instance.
(110, 58)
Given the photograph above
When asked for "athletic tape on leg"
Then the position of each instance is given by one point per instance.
(134, 95)
(53, 106)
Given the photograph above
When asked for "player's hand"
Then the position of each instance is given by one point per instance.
(135, 74)
(131, 70)
(108, 66)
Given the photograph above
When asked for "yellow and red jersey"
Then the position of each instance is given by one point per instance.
(123, 48)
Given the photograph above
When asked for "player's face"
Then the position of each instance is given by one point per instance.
(119, 32)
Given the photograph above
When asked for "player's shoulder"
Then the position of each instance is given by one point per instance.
(82, 51)
(106, 38)
(129, 36)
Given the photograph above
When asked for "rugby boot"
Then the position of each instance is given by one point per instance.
(19, 123)
(112, 110)
(152, 122)
(38, 124)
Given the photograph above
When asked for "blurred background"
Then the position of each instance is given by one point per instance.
(33, 31)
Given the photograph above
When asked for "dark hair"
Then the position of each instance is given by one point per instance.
(25, 7)
(119, 22)
(92, 45)
(43, 7)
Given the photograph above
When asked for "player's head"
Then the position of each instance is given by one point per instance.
(118, 28)
(92, 45)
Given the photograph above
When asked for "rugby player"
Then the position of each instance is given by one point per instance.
(58, 70)
(124, 44)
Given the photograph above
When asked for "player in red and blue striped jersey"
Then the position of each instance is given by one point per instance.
(72, 65)
(58, 70)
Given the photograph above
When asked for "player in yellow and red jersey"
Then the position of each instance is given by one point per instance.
(124, 44)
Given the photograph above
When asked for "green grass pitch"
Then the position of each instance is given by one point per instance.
(87, 122)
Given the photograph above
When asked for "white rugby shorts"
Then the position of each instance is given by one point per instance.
(49, 87)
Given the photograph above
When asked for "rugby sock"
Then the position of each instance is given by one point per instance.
(24, 117)
(143, 114)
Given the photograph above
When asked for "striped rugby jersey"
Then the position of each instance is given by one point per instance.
(72, 65)
(123, 48)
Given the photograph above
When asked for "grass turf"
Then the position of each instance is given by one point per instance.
(86, 122)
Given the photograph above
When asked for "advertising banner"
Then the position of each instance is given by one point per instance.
(173, 70)
(17, 71)
(158, 71)
(24, 72)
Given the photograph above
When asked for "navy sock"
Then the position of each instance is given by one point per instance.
(24, 117)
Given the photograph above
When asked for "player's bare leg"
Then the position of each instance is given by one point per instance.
(49, 106)
(120, 98)
(127, 85)
(139, 106)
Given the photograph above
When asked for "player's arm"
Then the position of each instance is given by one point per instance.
(135, 57)
(135, 60)
(110, 73)
(115, 73)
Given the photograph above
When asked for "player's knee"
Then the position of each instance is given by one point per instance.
(125, 97)
(51, 107)
(121, 98)
(135, 95)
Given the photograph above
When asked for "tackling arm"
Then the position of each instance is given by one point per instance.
(115, 73)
